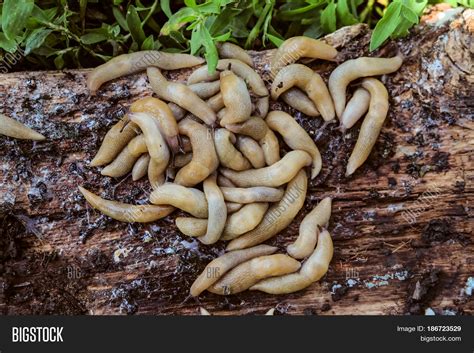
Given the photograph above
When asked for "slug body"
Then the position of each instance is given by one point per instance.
(356, 107)
(189, 200)
(298, 100)
(354, 69)
(228, 155)
(181, 95)
(140, 167)
(251, 150)
(244, 220)
(308, 236)
(114, 141)
(273, 176)
(251, 195)
(295, 48)
(310, 82)
(254, 127)
(371, 125)
(235, 94)
(205, 90)
(245, 275)
(12, 128)
(295, 137)
(164, 117)
(278, 216)
(229, 50)
(312, 270)
(121, 165)
(270, 147)
(204, 161)
(124, 212)
(219, 266)
(134, 62)
(217, 215)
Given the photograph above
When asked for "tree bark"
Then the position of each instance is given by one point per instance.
(402, 225)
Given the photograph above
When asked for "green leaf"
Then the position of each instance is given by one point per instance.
(59, 62)
(8, 45)
(344, 14)
(94, 37)
(275, 40)
(386, 26)
(135, 25)
(120, 19)
(211, 54)
(409, 14)
(328, 18)
(190, 3)
(148, 43)
(165, 6)
(36, 39)
(178, 20)
(15, 14)
(196, 43)
(222, 38)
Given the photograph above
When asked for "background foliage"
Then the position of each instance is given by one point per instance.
(82, 33)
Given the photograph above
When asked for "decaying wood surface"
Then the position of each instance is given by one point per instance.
(60, 256)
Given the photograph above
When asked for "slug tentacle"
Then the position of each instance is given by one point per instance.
(12, 128)
(308, 236)
(124, 212)
(372, 124)
(278, 216)
(353, 69)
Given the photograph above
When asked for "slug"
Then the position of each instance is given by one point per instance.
(312, 270)
(192, 227)
(295, 137)
(356, 107)
(219, 266)
(252, 78)
(353, 69)
(12, 128)
(178, 112)
(229, 50)
(308, 236)
(205, 90)
(216, 103)
(180, 160)
(121, 165)
(181, 95)
(270, 147)
(137, 146)
(156, 173)
(372, 124)
(248, 273)
(134, 62)
(251, 150)
(235, 94)
(233, 207)
(310, 82)
(217, 214)
(261, 106)
(140, 167)
(189, 200)
(251, 195)
(114, 141)
(273, 176)
(164, 117)
(156, 144)
(124, 212)
(292, 49)
(228, 155)
(298, 100)
(244, 220)
(204, 161)
(278, 216)
(255, 127)
(223, 181)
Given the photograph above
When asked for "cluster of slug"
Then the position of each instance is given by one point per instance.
(216, 131)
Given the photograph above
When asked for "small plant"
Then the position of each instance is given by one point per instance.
(61, 33)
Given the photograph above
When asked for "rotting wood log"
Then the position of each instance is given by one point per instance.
(402, 225)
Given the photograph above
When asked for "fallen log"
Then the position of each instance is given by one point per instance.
(402, 224)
